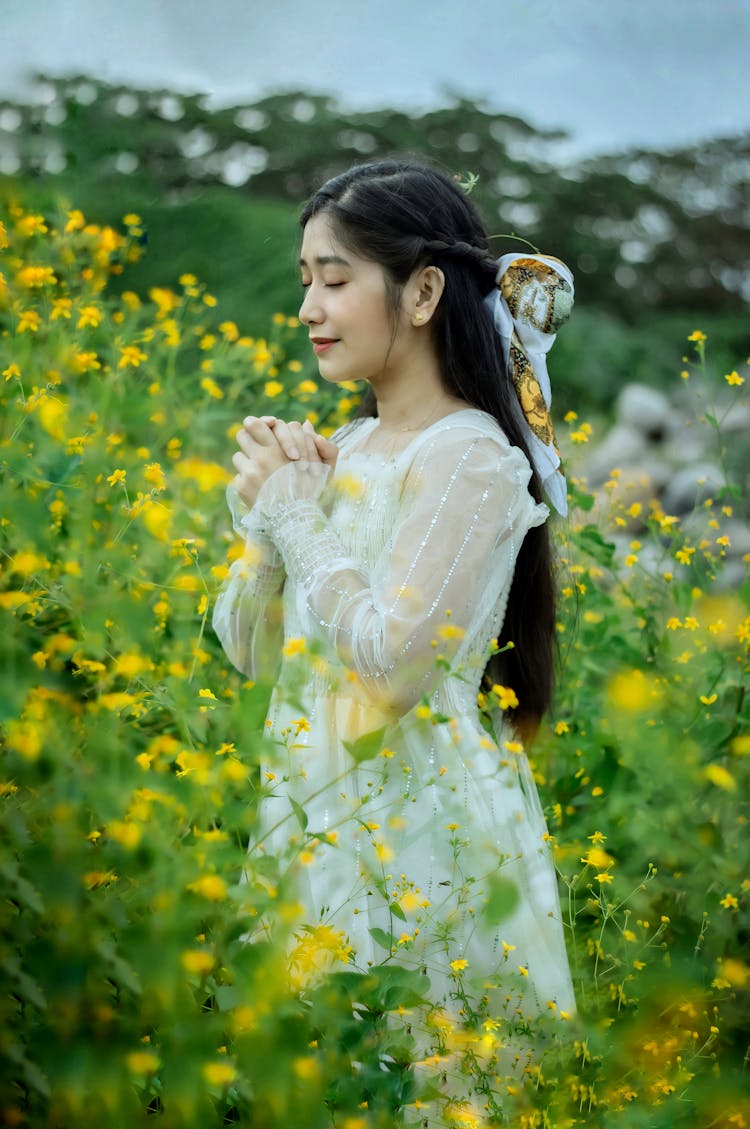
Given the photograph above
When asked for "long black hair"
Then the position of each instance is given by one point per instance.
(405, 215)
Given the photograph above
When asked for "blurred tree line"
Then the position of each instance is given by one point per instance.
(659, 242)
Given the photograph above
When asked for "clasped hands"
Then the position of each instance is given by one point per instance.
(266, 444)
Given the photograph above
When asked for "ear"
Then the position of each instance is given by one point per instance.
(425, 290)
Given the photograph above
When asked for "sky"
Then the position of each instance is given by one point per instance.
(612, 73)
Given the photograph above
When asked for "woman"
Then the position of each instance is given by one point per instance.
(401, 550)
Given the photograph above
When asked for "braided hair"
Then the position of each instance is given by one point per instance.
(405, 215)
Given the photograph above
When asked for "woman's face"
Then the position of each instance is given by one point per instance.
(345, 307)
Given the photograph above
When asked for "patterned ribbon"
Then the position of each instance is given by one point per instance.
(534, 297)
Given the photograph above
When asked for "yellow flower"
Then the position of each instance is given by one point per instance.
(131, 356)
(273, 388)
(450, 631)
(294, 647)
(154, 474)
(93, 879)
(206, 475)
(506, 697)
(210, 886)
(129, 664)
(598, 858)
(734, 378)
(128, 835)
(116, 476)
(76, 220)
(383, 851)
(29, 320)
(31, 225)
(198, 962)
(142, 1062)
(698, 336)
(89, 315)
(736, 974)
(581, 434)
(729, 902)
(23, 737)
(219, 1073)
(631, 691)
(34, 277)
(210, 386)
(85, 361)
(459, 965)
(719, 776)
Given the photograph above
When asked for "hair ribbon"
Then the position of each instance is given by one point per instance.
(533, 298)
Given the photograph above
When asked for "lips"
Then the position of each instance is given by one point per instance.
(322, 344)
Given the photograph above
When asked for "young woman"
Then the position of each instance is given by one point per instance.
(400, 551)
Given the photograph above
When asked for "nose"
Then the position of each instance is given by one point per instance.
(310, 312)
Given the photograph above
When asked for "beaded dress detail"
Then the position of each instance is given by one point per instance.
(380, 568)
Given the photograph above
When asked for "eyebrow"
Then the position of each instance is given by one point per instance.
(325, 260)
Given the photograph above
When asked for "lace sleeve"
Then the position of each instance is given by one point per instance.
(465, 510)
(247, 614)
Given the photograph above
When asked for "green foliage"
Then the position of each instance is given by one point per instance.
(652, 238)
(133, 760)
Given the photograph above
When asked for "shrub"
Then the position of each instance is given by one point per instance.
(132, 766)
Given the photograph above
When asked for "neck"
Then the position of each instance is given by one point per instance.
(412, 397)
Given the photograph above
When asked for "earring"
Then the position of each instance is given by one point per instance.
(417, 318)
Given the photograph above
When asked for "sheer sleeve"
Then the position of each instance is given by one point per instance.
(465, 509)
(247, 615)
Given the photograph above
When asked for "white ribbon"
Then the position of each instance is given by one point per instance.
(535, 344)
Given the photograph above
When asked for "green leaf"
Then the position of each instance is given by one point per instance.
(227, 996)
(380, 937)
(580, 500)
(396, 910)
(367, 746)
(591, 542)
(300, 812)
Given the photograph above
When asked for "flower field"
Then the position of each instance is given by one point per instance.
(131, 757)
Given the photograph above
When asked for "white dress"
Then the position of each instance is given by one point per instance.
(408, 842)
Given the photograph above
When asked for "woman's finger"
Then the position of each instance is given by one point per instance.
(284, 436)
(306, 435)
(328, 451)
(258, 431)
(245, 442)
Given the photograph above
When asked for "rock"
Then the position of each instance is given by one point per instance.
(635, 486)
(645, 409)
(621, 447)
(690, 485)
(689, 445)
(739, 538)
